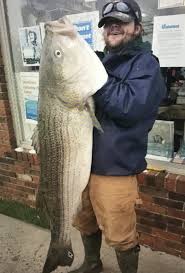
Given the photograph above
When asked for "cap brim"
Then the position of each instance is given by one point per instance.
(126, 18)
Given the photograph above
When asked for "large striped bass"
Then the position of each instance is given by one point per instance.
(70, 73)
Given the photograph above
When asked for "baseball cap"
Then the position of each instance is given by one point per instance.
(124, 10)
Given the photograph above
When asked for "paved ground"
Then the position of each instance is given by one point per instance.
(23, 249)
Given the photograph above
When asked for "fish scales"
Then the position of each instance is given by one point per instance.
(65, 129)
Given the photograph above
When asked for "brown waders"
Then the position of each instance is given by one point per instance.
(108, 204)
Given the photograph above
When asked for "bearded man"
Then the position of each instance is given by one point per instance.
(126, 107)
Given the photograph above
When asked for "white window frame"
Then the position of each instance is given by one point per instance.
(10, 78)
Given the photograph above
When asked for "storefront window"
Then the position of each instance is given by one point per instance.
(25, 20)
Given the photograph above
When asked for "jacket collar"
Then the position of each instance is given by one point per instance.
(131, 49)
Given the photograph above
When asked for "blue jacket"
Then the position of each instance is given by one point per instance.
(126, 107)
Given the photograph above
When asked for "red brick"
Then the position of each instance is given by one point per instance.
(160, 179)
(147, 240)
(25, 189)
(3, 119)
(176, 213)
(3, 96)
(170, 182)
(145, 197)
(150, 178)
(152, 222)
(2, 70)
(153, 191)
(35, 167)
(175, 245)
(183, 240)
(176, 229)
(141, 178)
(143, 228)
(19, 168)
(36, 179)
(4, 126)
(7, 173)
(174, 221)
(177, 196)
(154, 208)
(25, 157)
(5, 137)
(14, 193)
(36, 159)
(19, 156)
(4, 149)
(4, 108)
(35, 173)
(2, 79)
(4, 178)
(181, 184)
(30, 158)
(7, 167)
(162, 245)
(18, 182)
(168, 203)
(7, 160)
(13, 154)
(166, 235)
(3, 87)
(22, 163)
(31, 185)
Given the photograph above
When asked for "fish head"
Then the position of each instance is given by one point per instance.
(68, 62)
(56, 58)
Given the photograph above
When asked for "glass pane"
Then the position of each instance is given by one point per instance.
(25, 22)
(25, 18)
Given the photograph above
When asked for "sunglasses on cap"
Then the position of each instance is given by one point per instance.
(119, 7)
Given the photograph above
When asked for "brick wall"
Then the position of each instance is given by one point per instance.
(19, 177)
(161, 218)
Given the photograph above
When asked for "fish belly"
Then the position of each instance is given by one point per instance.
(65, 137)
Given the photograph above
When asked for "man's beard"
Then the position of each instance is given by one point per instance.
(123, 43)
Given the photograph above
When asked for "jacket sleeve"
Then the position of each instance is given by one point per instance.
(136, 97)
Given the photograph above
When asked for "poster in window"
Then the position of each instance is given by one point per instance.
(169, 40)
(30, 42)
(30, 90)
(87, 26)
(165, 4)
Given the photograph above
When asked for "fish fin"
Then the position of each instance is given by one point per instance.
(90, 107)
(35, 140)
(58, 256)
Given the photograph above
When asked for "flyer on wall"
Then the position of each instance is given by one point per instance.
(30, 42)
(169, 40)
(165, 4)
(87, 26)
(30, 90)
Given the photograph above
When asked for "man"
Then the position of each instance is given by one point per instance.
(126, 107)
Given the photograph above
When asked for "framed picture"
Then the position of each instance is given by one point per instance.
(30, 41)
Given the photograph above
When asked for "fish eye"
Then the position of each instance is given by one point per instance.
(58, 53)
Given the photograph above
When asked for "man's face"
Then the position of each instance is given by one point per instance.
(117, 33)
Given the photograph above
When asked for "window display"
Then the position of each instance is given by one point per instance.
(25, 24)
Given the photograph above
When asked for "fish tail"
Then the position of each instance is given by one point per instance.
(58, 256)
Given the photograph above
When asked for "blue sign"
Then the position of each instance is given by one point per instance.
(86, 31)
(31, 109)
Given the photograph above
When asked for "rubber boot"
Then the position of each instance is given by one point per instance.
(92, 262)
(128, 260)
